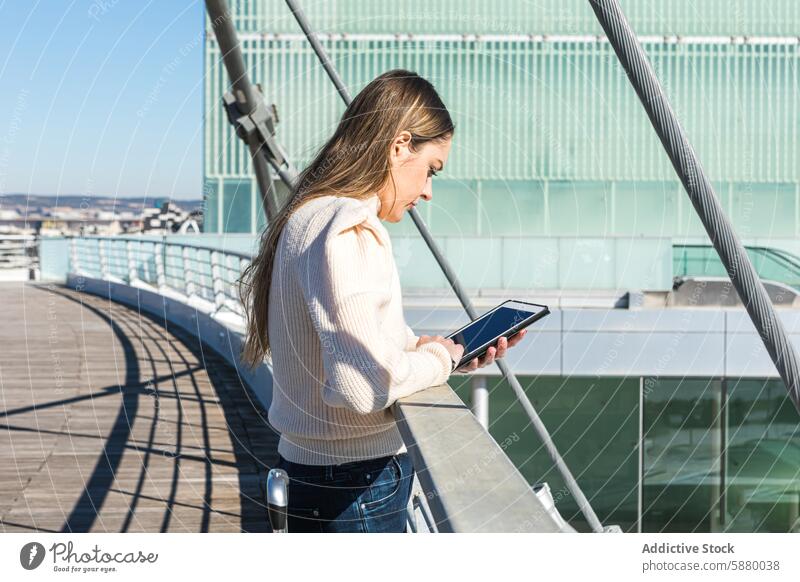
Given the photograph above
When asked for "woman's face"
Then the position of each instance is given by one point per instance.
(412, 173)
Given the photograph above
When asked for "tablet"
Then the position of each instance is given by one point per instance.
(502, 321)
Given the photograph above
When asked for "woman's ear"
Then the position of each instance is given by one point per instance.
(401, 146)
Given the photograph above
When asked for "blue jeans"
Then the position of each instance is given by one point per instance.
(362, 496)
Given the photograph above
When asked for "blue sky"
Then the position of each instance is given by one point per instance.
(101, 97)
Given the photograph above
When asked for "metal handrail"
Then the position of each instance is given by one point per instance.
(19, 251)
(198, 274)
(782, 259)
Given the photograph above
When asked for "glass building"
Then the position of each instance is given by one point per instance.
(660, 454)
(554, 157)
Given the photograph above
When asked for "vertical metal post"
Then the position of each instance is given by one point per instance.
(145, 259)
(216, 281)
(73, 255)
(480, 400)
(33, 251)
(715, 515)
(187, 272)
(421, 504)
(723, 468)
(685, 261)
(243, 264)
(640, 471)
(101, 255)
(411, 516)
(159, 260)
(133, 274)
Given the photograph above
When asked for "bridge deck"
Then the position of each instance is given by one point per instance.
(111, 422)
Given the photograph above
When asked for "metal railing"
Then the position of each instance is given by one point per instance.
(703, 261)
(201, 275)
(19, 257)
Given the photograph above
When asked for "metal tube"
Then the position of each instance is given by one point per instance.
(715, 493)
(300, 16)
(538, 425)
(263, 178)
(687, 165)
(225, 33)
(229, 48)
(278, 500)
(480, 400)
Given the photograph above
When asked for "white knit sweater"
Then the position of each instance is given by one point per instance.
(342, 353)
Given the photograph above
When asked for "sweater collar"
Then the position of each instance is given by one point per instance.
(351, 211)
(374, 204)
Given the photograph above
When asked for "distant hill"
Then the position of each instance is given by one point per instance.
(79, 201)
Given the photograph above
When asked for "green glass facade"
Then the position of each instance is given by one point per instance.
(548, 125)
(650, 17)
(594, 423)
(659, 454)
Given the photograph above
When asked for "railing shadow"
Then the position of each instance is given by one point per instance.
(251, 462)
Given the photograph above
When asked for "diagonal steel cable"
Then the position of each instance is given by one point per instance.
(745, 280)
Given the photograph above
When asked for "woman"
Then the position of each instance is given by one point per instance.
(324, 302)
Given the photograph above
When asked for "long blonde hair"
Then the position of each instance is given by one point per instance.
(353, 163)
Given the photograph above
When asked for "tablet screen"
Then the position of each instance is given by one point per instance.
(485, 330)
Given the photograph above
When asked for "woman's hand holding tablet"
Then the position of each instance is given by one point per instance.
(492, 354)
(488, 337)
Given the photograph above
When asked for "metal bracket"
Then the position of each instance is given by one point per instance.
(260, 123)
